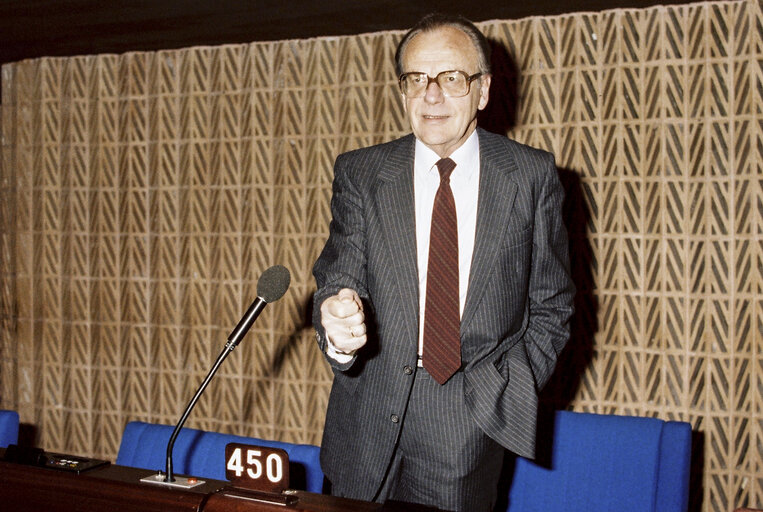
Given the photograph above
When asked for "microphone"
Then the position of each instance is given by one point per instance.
(271, 286)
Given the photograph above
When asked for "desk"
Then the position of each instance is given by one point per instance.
(113, 488)
(109, 489)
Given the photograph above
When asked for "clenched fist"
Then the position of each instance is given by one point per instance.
(343, 319)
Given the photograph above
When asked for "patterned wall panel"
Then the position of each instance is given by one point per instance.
(143, 194)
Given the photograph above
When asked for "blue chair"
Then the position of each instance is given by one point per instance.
(202, 454)
(606, 462)
(9, 428)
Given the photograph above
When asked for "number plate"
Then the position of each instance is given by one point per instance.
(257, 468)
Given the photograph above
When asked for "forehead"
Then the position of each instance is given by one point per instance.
(440, 49)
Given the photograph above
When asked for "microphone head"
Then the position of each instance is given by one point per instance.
(273, 283)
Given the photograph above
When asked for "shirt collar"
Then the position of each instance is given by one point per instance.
(466, 157)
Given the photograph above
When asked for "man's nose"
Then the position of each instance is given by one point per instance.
(433, 94)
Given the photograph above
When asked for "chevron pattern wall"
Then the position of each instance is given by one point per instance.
(143, 194)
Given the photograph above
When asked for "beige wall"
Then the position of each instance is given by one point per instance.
(143, 194)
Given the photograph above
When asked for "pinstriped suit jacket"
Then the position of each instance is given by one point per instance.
(515, 320)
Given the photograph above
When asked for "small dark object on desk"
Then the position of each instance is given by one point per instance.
(37, 457)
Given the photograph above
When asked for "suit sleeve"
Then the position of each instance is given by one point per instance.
(551, 290)
(342, 263)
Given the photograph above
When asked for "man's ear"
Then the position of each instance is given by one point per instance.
(484, 91)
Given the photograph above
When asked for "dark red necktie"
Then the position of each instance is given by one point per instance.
(442, 346)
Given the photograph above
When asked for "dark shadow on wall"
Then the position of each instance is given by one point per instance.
(500, 115)
(284, 351)
(577, 355)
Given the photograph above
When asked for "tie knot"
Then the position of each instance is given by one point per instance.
(445, 166)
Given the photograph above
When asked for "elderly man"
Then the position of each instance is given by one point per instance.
(444, 294)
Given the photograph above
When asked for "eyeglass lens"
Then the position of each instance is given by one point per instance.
(452, 83)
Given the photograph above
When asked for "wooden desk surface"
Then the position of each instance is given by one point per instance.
(113, 488)
(109, 489)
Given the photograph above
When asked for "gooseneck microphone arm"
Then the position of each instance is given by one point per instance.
(251, 315)
(272, 285)
(227, 350)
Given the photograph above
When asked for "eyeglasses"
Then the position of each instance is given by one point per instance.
(453, 84)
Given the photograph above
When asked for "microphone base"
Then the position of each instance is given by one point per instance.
(180, 482)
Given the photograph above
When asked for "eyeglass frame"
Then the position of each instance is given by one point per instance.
(469, 80)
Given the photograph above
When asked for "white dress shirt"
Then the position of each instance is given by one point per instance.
(464, 183)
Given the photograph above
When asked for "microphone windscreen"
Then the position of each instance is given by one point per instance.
(273, 283)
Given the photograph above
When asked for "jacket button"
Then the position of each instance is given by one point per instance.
(407, 370)
(395, 418)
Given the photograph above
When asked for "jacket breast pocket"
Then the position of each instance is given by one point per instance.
(516, 255)
(518, 237)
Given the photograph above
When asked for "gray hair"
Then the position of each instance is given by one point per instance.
(437, 20)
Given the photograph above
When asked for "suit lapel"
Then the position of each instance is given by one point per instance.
(496, 197)
(395, 204)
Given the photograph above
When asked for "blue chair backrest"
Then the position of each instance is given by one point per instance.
(202, 454)
(9, 428)
(606, 462)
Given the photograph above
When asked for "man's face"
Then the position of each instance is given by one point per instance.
(444, 123)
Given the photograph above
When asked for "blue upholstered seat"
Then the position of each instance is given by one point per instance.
(9, 428)
(597, 463)
(202, 454)
(605, 463)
